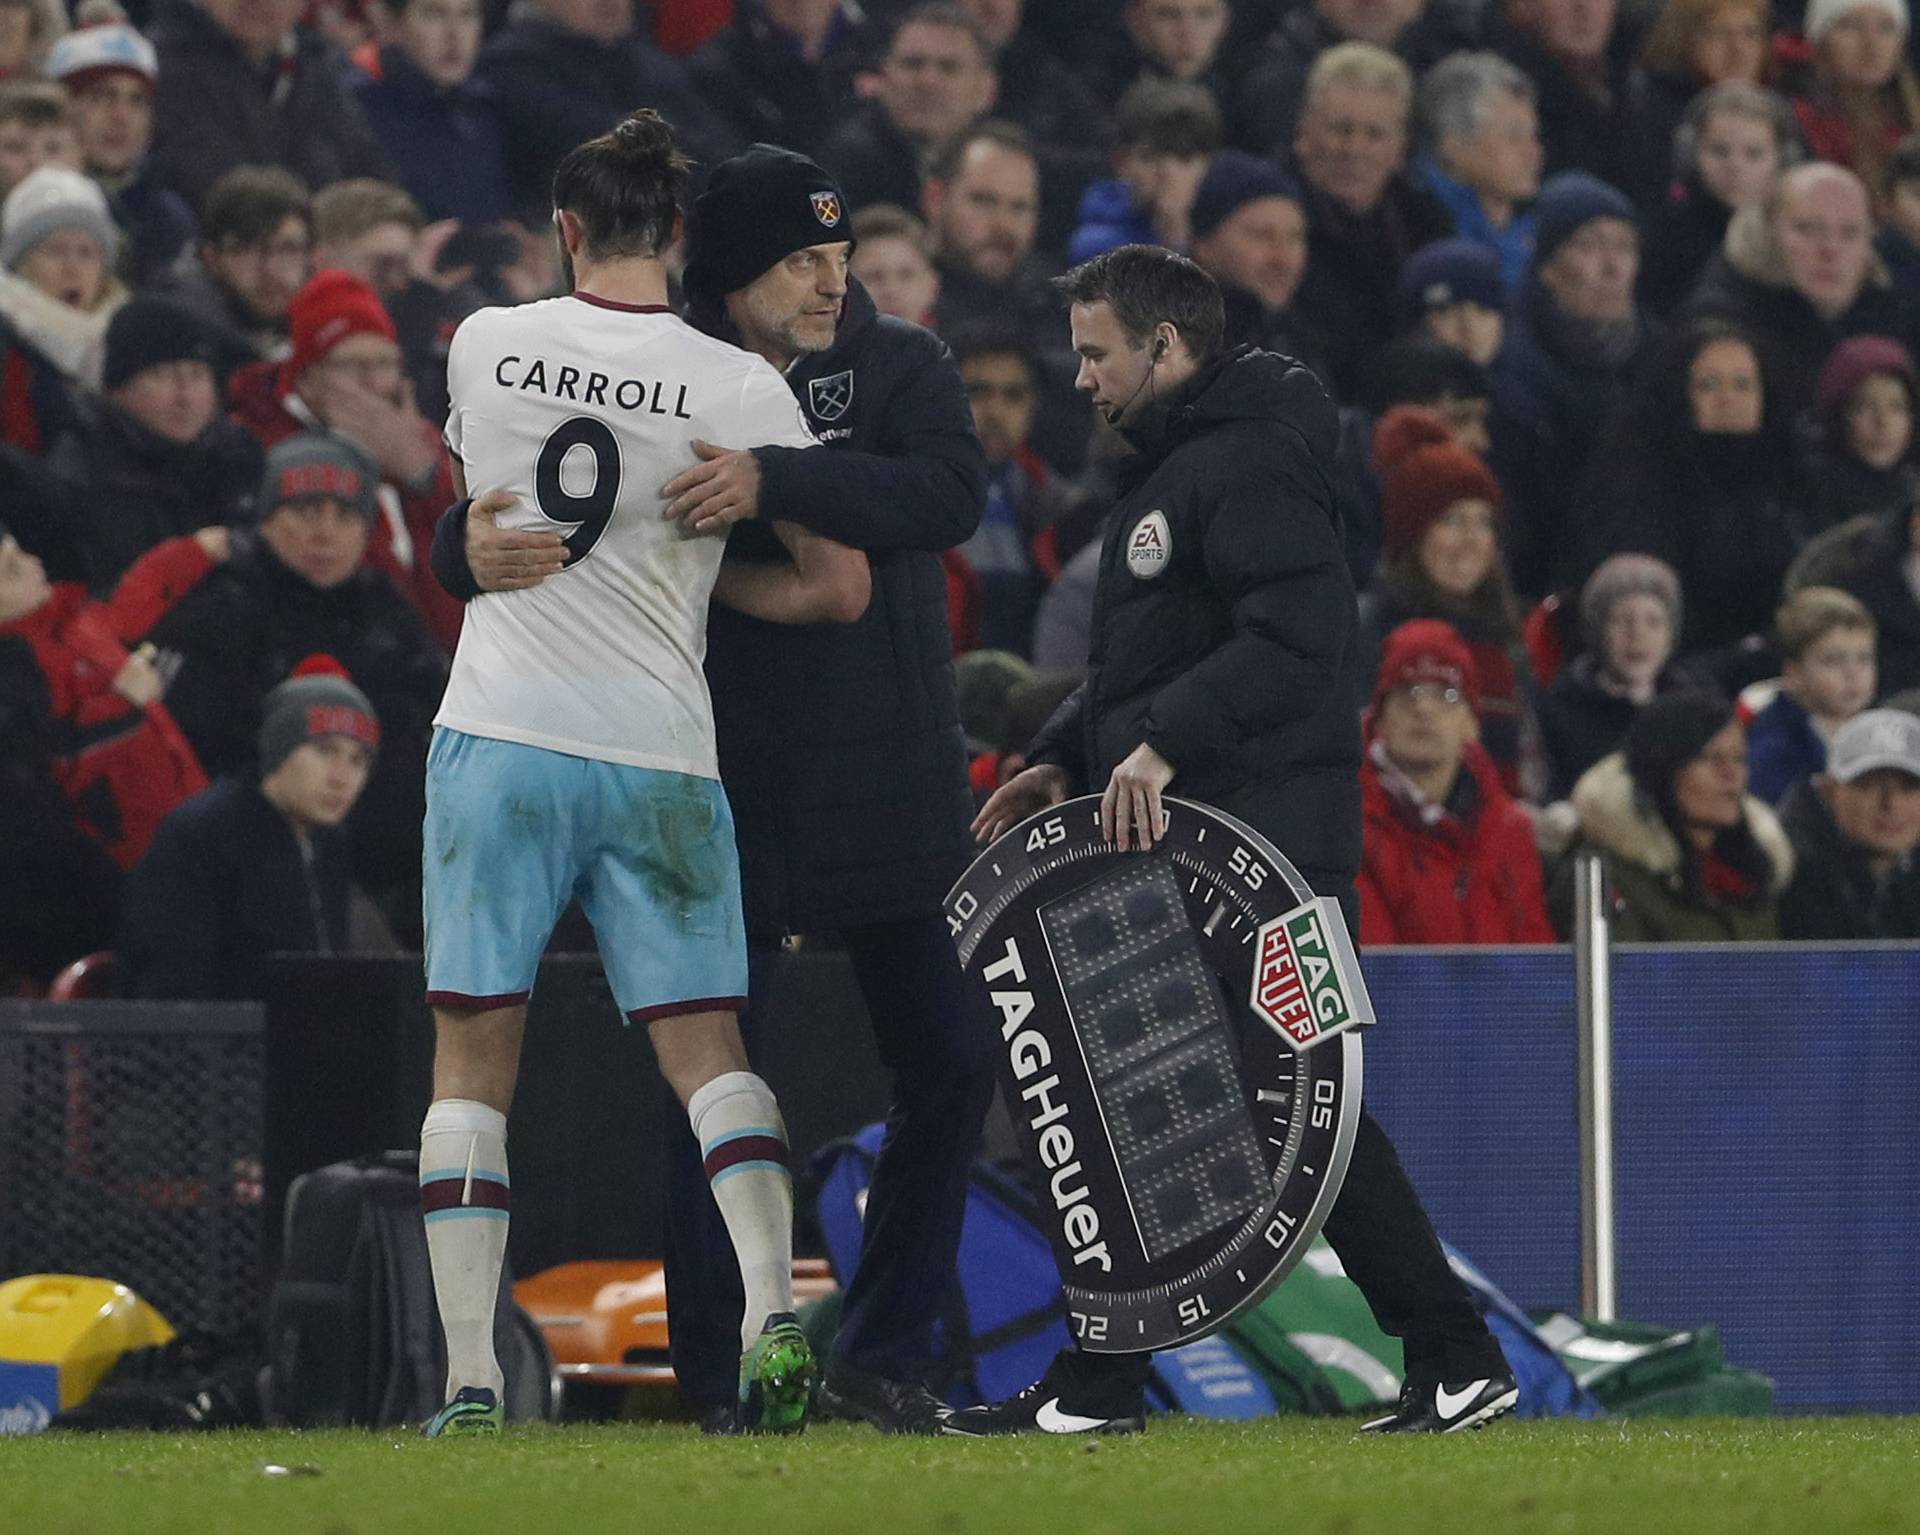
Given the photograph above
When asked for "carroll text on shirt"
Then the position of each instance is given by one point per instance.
(658, 398)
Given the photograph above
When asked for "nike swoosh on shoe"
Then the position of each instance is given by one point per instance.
(1051, 1420)
(1451, 1404)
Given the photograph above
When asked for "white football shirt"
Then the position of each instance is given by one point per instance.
(583, 410)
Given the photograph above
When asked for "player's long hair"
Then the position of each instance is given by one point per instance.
(625, 187)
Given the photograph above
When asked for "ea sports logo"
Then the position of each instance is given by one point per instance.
(1149, 546)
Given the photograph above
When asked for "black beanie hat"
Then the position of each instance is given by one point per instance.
(146, 332)
(1667, 734)
(759, 208)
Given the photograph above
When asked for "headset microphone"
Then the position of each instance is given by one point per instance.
(1153, 361)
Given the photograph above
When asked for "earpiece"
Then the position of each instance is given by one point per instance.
(1159, 348)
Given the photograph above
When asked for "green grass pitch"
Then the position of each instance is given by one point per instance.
(1279, 1477)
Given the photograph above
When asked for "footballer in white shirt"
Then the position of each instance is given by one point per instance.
(573, 756)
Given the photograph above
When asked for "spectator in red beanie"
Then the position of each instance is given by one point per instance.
(1448, 856)
(1440, 558)
(346, 375)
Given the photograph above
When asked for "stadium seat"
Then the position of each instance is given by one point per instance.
(88, 978)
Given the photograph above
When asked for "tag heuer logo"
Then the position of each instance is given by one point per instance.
(1306, 981)
(1149, 546)
(826, 207)
(830, 396)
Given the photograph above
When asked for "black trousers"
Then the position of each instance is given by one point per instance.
(1380, 1231)
(938, 1041)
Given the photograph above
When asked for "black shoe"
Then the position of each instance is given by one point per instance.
(1073, 1397)
(720, 1420)
(1434, 1408)
(893, 1406)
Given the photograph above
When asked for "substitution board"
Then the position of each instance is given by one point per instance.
(1178, 1056)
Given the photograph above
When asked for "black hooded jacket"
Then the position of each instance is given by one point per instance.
(1231, 655)
(1727, 511)
(138, 488)
(840, 744)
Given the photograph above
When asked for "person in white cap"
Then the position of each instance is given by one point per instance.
(1861, 96)
(109, 73)
(1855, 830)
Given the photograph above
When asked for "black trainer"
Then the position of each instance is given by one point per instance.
(1071, 1398)
(893, 1406)
(1437, 1408)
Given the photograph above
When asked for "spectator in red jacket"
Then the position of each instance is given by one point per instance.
(1448, 857)
(121, 761)
(346, 375)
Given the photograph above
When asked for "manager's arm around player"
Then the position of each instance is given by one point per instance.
(840, 746)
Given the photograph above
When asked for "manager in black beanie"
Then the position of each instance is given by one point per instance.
(758, 208)
(841, 749)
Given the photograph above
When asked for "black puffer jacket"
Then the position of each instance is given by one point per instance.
(224, 885)
(840, 744)
(1232, 656)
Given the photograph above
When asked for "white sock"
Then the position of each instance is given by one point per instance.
(744, 1143)
(465, 1198)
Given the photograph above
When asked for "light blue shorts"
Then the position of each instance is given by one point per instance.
(514, 832)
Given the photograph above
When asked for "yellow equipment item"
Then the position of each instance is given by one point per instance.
(59, 1335)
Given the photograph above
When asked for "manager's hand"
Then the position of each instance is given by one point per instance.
(722, 489)
(509, 559)
(1018, 798)
(1132, 801)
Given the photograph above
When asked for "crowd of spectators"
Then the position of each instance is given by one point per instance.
(1618, 303)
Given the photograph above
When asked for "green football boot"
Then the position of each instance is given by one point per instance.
(474, 1411)
(777, 1379)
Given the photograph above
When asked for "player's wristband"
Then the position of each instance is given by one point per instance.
(448, 557)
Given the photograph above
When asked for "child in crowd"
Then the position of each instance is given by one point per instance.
(125, 763)
(257, 864)
(1630, 614)
(1732, 144)
(893, 261)
(1866, 393)
(36, 129)
(1440, 558)
(1452, 291)
(1899, 239)
(1168, 132)
(1828, 676)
